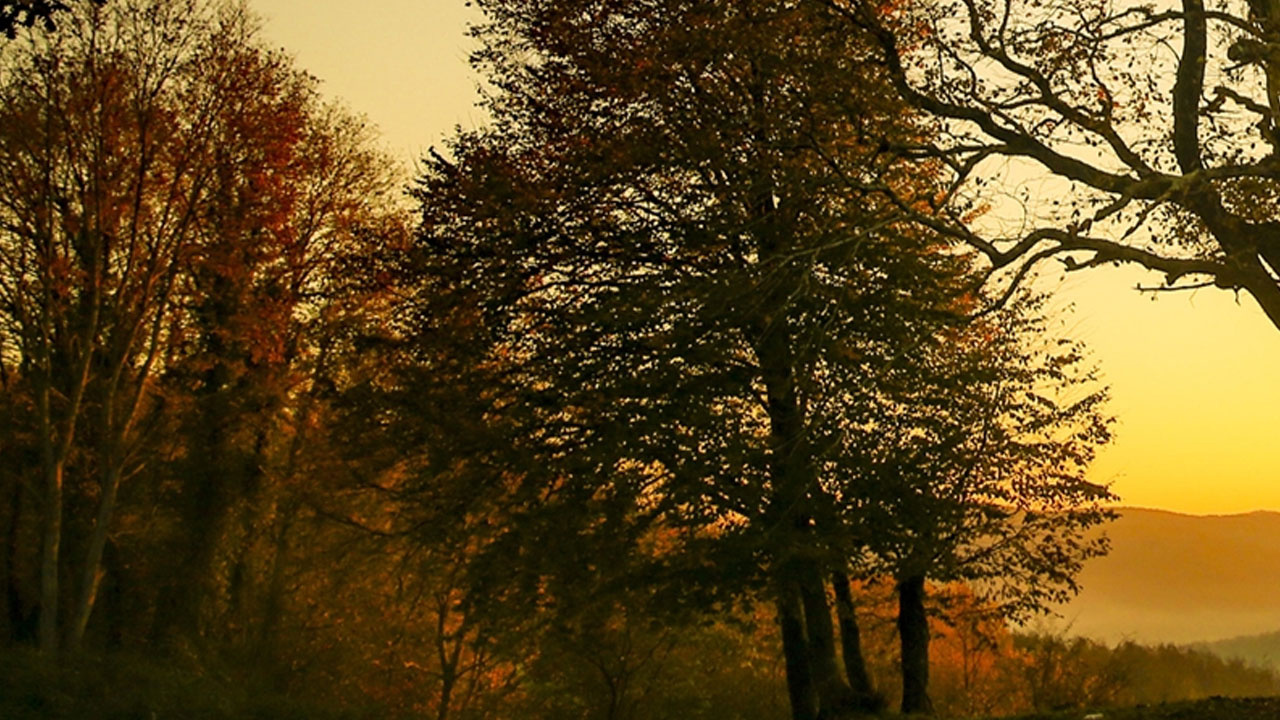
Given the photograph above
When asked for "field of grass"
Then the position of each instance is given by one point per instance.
(132, 687)
(1216, 708)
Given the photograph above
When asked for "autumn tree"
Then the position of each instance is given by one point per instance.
(1156, 124)
(177, 203)
(98, 189)
(273, 287)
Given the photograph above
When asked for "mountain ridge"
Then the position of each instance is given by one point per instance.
(1180, 578)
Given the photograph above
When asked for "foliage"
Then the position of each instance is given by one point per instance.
(1066, 672)
(184, 228)
(703, 321)
(667, 262)
(1257, 650)
(16, 14)
(661, 359)
(974, 470)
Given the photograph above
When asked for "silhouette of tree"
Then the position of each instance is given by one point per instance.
(1158, 126)
(973, 472)
(688, 294)
(174, 205)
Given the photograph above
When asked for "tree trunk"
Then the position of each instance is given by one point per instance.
(91, 573)
(913, 631)
(855, 666)
(273, 603)
(179, 605)
(113, 607)
(13, 515)
(204, 503)
(795, 651)
(49, 560)
(835, 699)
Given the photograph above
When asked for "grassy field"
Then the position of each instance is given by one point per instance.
(131, 687)
(1211, 709)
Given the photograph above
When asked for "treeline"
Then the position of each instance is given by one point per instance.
(728, 668)
(1066, 672)
(983, 668)
(188, 236)
(642, 404)
(1262, 650)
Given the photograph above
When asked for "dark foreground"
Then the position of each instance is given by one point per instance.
(1216, 708)
(133, 687)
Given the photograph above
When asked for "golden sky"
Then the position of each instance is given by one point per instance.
(1193, 375)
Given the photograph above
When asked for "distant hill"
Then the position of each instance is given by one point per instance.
(1259, 650)
(1174, 578)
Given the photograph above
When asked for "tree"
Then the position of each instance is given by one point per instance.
(975, 475)
(1158, 124)
(272, 288)
(98, 191)
(663, 246)
(176, 205)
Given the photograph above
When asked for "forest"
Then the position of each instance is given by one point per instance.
(687, 386)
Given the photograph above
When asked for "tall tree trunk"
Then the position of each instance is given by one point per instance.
(179, 604)
(10, 600)
(113, 606)
(204, 505)
(51, 545)
(855, 666)
(913, 631)
(795, 651)
(835, 699)
(91, 573)
(273, 603)
(256, 508)
(790, 478)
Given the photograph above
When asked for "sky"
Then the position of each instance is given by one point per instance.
(1192, 376)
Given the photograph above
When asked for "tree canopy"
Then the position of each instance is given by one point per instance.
(673, 246)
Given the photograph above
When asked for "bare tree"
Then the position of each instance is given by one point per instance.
(1158, 124)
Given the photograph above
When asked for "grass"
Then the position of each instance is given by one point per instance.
(1215, 708)
(132, 687)
(136, 687)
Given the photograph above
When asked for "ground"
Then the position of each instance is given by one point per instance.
(1216, 708)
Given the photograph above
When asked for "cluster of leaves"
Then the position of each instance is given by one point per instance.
(15, 14)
